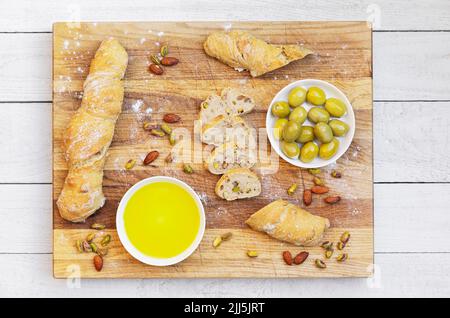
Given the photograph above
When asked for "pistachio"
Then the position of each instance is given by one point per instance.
(130, 164)
(155, 59)
(226, 236)
(79, 246)
(345, 237)
(292, 189)
(314, 171)
(318, 181)
(98, 226)
(164, 50)
(336, 174)
(327, 245)
(169, 158)
(340, 246)
(172, 139)
(90, 237)
(166, 128)
(93, 247)
(86, 247)
(320, 264)
(236, 189)
(157, 132)
(102, 251)
(105, 240)
(204, 105)
(148, 126)
(342, 258)
(252, 253)
(216, 165)
(217, 241)
(329, 253)
(187, 169)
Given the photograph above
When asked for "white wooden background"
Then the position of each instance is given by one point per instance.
(411, 145)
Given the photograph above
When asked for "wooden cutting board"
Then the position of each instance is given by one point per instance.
(343, 57)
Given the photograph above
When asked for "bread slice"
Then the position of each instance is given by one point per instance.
(230, 156)
(223, 129)
(232, 103)
(239, 183)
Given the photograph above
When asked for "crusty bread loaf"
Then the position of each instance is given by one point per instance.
(239, 183)
(241, 50)
(230, 156)
(232, 102)
(90, 132)
(287, 222)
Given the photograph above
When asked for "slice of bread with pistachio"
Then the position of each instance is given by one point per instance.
(230, 156)
(232, 102)
(239, 183)
(223, 129)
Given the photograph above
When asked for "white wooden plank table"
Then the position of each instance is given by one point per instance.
(411, 146)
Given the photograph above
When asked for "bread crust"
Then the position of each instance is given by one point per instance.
(90, 132)
(289, 223)
(241, 50)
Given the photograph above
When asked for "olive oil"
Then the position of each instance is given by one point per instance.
(161, 220)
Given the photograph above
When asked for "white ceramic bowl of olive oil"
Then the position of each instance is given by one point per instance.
(330, 91)
(160, 221)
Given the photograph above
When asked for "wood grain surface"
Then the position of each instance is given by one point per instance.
(343, 57)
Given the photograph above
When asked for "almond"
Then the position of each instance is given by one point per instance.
(171, 118)
(151, 156)
(319, 189)
(169, 61)
(332, 200)
(287, 256)
(300, 258)
(98, 263)
(307, 197)
(156, 69)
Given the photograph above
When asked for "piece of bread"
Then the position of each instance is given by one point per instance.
(230, 156)
(232, 102)
(242, 50)
(239, 183)
(90, 132)
(223, 129)
(289, 223)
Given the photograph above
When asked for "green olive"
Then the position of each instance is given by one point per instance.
(323, 132)
(309, 152)
(338, 127)
(290, 149)
(318, 114)
(328, 150)
(281, 109)
(291, 131)
(297, 96)
(315, 96)
(278, 127)
(335, 107)
(298, 115)
(306, 134)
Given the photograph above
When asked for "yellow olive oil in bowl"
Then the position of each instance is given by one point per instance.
(160, 221)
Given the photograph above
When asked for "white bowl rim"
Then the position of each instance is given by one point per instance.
(133, 250)
(315, 163)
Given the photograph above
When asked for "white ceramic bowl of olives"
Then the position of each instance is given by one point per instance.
(310, 123)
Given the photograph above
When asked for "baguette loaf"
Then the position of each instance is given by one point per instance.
(287, 222)
(242, 50)
(239, 183)
(90, 133)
